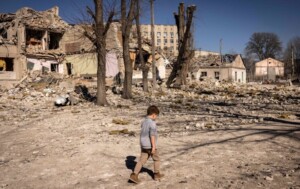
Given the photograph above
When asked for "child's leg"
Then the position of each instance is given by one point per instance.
(143, 159)
(156, 160)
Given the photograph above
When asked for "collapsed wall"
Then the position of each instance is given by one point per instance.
(29, 39)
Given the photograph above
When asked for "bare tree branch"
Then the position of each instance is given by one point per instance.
(91, 37)
(91, 13)
(181, 65)
(264, 45)
(109, 21)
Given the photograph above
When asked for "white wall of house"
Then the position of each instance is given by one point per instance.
(40, 64)
(237, 75)
(214, 73)
(263, 67)
(227, 74)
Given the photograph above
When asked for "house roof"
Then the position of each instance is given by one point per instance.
(265, 62)
(212, 61)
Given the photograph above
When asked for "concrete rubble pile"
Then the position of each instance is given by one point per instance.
(31, 40)
(199, 105)
(211, 105)
(33, 20)
(196, 62)
(38, 88)
(206, 104)
(5, 22)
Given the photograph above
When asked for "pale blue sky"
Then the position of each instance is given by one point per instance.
(232, 20)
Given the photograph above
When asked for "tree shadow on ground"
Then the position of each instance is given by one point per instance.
(131, 163)
(269, 133)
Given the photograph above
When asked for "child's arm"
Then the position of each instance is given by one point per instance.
(153, 144)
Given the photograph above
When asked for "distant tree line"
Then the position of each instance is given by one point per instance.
(262, 45)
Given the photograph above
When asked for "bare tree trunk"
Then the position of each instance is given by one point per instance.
(181, 27)
(180, 68)
(99, 41)
(181, 24)
(126, 29)
(188, 55)
(145, 68)
(101, 53)
(153, 48)
(101, 70)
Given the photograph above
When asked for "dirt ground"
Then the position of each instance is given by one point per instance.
(43, 146)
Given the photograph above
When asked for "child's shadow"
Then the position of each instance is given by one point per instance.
(130, 164)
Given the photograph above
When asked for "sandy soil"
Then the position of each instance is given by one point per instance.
(70, 147)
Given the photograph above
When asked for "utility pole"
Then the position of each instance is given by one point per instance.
(153, 48)
(221, 50)
(293, 66)
(268, 68)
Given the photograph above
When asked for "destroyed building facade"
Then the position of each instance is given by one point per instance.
(81, 59)
(30, 40)
(80, 55)
(230, 68)
(40, 40)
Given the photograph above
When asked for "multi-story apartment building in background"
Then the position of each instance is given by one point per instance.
(166, 37)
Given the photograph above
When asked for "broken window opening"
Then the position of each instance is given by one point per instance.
(34, 39)
(69, 68)
(7, 64)
(242, 76)
(54, 39)
(217, 75)
(3, 33)
(54, 67)
(203, 74)
(235, 76)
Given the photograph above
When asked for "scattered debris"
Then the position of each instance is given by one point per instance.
(62, 100)
(120, 121)
(124, 131)
(269, 178)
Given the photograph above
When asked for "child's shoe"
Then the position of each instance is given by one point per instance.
(134, 178)
(158, 176)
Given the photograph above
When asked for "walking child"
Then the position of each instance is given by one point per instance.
(148, 142)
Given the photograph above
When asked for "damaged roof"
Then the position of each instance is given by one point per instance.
(48, 19)
(211, 61)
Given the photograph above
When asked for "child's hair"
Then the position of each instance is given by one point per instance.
(152, 110)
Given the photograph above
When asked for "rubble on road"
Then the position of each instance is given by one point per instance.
(210, 104)
(207, 104)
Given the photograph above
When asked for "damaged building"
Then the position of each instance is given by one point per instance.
(80, 55)
(40, 40)
(81, 58)
(227, 68)
(31, 40)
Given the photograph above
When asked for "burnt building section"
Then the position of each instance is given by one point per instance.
(31, 40)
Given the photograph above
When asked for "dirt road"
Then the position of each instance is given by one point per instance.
(70, 147)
